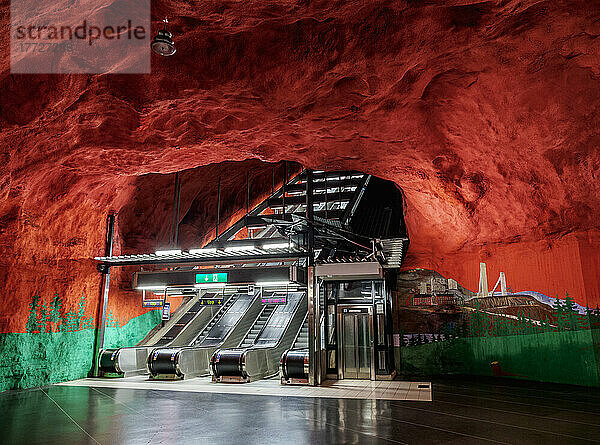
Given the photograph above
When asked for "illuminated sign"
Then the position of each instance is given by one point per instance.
(166, 312)
(220, 277)
(275, 299)
(211, 301)
(152, 303)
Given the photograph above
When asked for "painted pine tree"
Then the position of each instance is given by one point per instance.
(111, 320)
(33, 324)
(585, 321)
(83, 322)
(43, 318)
(69, 322)
(55, 313)
(477, 322)
(595, 319)
(559, 315)
(571, 313)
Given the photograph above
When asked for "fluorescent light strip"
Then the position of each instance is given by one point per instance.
(210, 285)
(277, 245)
(273, 283)
(162, 288)
(168, 252)
(238, 248)
(204, 250)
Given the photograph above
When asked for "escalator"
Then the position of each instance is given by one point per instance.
(228, 327)
(257, 354)
(189, 318)
(293, 366)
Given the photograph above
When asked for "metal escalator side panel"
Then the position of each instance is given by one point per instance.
(195, 318)
(203, 333)
(278, 321)
(299, 336)
(227, 321)
(194, 361)
(244, 323)
(264, 361)
(196, 326)
(175, 317)
(247, 336)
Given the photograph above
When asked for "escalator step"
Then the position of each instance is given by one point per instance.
(186, 318)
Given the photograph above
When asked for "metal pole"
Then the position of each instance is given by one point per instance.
(326, 198)
(103, 300)
(312, 350)
(174, 222)
(218, 206)
(285, 180)
(314, 307)
(247, 192)
(177, 206)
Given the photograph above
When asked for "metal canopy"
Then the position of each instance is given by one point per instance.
(362, 270)
(234, 276)
(253, 255)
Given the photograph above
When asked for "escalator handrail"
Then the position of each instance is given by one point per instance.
(298, 334)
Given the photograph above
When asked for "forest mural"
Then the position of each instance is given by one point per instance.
(58, 342)
(444, 328)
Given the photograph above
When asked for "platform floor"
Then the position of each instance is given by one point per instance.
(463, 411)
(339, 389)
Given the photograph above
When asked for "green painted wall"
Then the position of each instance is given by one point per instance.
(39, 358)
(562, 357)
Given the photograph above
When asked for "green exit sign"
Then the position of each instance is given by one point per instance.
(220, 277)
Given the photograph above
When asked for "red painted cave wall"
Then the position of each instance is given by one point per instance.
(48, 241)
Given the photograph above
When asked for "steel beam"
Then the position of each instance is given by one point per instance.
(103, 300)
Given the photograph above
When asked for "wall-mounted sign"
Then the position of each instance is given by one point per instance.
(152, 303)
(219, 277)
(166, 311)
(274, 299)
(211, 301)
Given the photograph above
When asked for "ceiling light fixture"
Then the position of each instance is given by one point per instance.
(204, 250)
(168, 252)
(163, 43)
(272, 283)
(277, 245)
(210, 285)
(238, 248)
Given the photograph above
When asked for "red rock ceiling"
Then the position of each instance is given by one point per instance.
(485, 113)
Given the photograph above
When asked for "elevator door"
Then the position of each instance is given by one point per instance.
(356, 343)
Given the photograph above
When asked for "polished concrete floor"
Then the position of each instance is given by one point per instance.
(462, 411)
(337, 389)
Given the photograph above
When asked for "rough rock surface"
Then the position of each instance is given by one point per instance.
(485, 113)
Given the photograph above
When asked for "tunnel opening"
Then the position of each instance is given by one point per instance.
(251, 293)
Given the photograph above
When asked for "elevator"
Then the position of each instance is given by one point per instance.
(356, 329)
(356, 342)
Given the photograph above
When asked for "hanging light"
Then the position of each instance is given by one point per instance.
(163, 43)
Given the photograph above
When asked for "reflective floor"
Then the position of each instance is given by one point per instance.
(337, 389)
(462, 411)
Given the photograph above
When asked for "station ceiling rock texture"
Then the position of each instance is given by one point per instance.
(485, 113)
